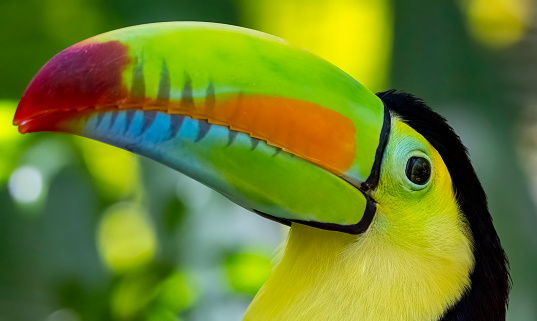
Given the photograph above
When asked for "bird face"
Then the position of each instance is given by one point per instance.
(417, 210)
(415, 184)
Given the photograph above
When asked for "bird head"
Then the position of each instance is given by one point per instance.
(276, 130)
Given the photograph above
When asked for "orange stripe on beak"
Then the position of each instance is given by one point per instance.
(305, 129)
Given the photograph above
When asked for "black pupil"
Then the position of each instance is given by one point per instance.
(418, 170)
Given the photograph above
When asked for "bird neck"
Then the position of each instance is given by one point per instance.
(324, 275)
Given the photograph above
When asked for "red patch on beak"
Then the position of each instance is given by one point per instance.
(81, 76)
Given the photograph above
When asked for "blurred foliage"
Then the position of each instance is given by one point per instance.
(90, 232)
(247, 271)
(125, 237)
(10, 140)
(114, 170)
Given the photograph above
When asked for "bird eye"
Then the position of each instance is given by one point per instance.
(418, 170)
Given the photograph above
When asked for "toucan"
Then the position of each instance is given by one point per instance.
(388, 218)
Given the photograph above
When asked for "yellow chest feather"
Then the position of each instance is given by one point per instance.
(327, 275)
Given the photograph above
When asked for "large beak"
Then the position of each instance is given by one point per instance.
(272, 127)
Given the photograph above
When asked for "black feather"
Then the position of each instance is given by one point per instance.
(487, 298)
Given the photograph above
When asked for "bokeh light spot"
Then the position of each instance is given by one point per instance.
(7, 110)
(26, 184)
(115, 171)
(178, 292)
(126, 238)
(498, 23)
(247, 271)
(131, 297)
(63, 315)
(10, 139)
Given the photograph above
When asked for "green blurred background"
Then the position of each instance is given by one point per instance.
(89, 232)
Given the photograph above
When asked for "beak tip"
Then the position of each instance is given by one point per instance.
(23, 129)
(18, 118)
(23, 114)
(52, 89)
(22, 122)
